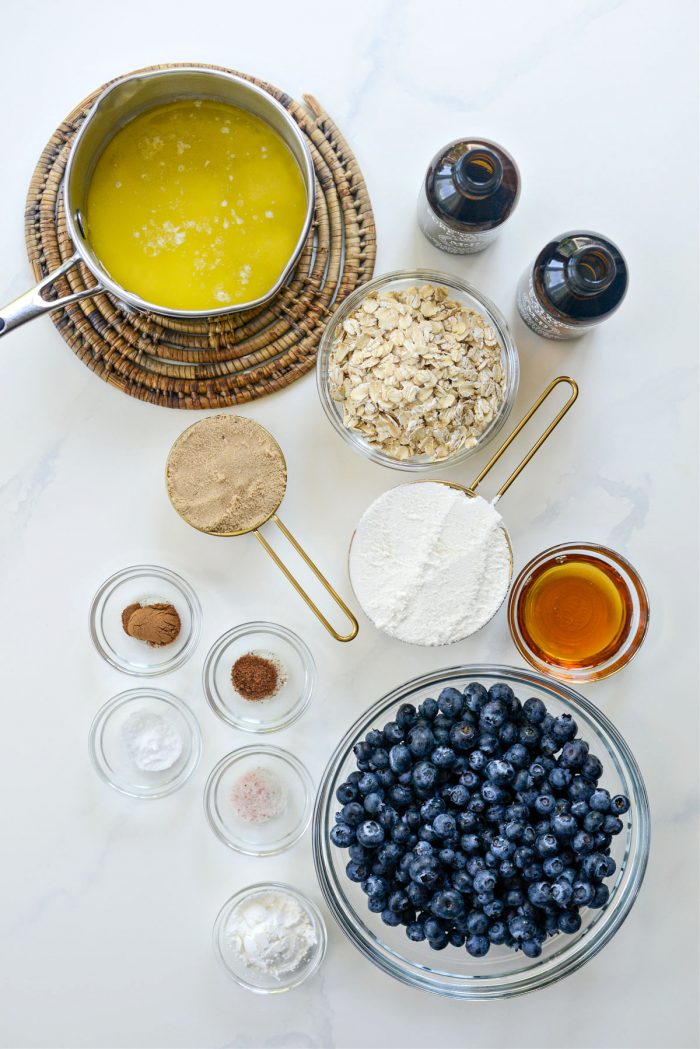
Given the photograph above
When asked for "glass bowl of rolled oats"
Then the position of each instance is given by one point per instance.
(417, 369)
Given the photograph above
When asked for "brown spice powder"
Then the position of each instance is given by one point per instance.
(226, 474)
(255, 677)
(157, 624)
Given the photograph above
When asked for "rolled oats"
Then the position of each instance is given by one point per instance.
(417, 373)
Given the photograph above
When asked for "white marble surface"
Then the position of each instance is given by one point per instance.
(107, 902)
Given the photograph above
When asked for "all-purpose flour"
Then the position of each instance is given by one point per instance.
(429, 564)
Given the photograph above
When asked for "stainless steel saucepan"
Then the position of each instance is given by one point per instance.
(119, 103)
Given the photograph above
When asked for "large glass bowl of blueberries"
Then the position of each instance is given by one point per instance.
(481, 831)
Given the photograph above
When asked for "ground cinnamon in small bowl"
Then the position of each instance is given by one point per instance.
(257, 677)
(157, 624)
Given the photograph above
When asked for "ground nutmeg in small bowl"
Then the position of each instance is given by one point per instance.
(257, 676)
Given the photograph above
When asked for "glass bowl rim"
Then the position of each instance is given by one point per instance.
(319, 951)
(193, 603)
(493, 316)
(300, 647)
(229, 759)
(592, 941)
(120, 700)
(632, 643)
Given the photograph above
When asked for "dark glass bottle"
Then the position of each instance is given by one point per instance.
(470, 189)
(577, 280)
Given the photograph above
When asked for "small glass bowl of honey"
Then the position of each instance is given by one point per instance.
(578, 611)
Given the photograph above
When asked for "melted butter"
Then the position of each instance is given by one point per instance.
(195, 205)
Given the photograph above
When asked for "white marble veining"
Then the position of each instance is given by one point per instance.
(108, 903)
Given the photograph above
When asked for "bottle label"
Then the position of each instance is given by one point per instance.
(440, 235)
(538, 318)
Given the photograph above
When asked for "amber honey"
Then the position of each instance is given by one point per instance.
(574, 611)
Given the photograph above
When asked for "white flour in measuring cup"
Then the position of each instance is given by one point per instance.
(429, 564)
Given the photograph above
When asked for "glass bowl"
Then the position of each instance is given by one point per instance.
(110, 753)
(262, 715)
(502, 973)
(262, 983)
(464, 293)
(636, 599)
(145, 584)
(276, 834)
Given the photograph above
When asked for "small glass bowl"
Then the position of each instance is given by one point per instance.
(638, 615)
(262, 715)
(110, 755)
(502, 973)
(261, 983)
(146, 584)
(464, 293)
(277, 834)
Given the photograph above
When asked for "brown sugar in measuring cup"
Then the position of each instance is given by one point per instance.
(226, 475)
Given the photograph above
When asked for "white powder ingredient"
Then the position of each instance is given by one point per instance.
(152, 741)
(430, 564)
(271, 934)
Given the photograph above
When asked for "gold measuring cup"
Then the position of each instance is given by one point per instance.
(470, 490)
(255, 529)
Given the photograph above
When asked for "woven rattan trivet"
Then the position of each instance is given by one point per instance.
(225, 360)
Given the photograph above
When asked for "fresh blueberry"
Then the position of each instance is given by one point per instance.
(456, 795)
(370, 834)
(553, 866)
(564, 825)
(424, 776)
(508, 733)
(368, 783)
(549, 745)
(357, 871)
(358, 852)
(387, 816)
(560, 779)
(521, 928)
(477, 923)
(518, 756)
(531, 948)
(573, 754)
(477, 760)
(470, 843)
(529, 735)
(463, 737)
(583, 893)
(569, 921)
(353, 814)
(428, 709)
(443, 757)
(497, 933)
(534, 710)
(425, 872)
(533, 871)
(544, 804)
(456, 938)
(564, 728)
(600, 896)
(342, 835)
(462, 881)
(580, 789)
(547, 845)
(539, 893)
(393, 732)
(599, 800)
(391, 918)
(579, 809)
(400, 834)
(537, 771)
(400, 797)
(491, 792)
(447, 904)
(439, 943)
(373, 802)
(582, 842)
(362, 751)
(400, 759)
(593, 821)
(500, 771)
(346, 792)
(374, 738)
(493, 714)
(562, 893)
(445, 827)
(475, 695)
(450, 702)
(612, 825)
(592, 768)
(484, 881)
(398, 902)
(421, 740)
(507, 869)
(406, 715)
(415, 931)
(447, 856)
(478, 945)
(376, 904)
(417, 894)
(619, 805)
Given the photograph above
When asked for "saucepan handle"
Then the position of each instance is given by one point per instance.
(319, 575)
(32, 304)
(538, 443)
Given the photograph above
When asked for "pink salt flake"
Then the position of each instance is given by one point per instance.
(258, 796)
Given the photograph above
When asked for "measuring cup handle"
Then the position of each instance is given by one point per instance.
(32, 304)
(538, 443)
(319, 575)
